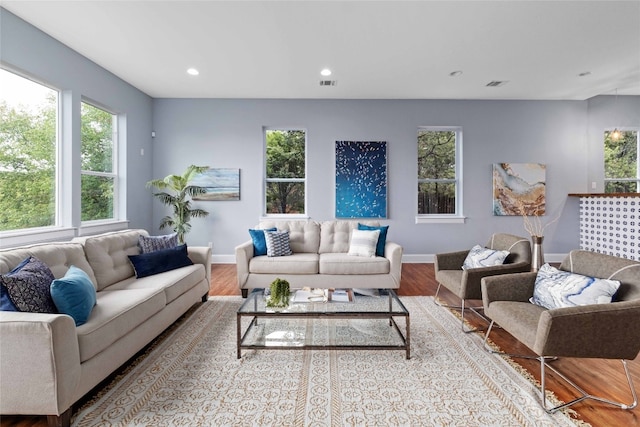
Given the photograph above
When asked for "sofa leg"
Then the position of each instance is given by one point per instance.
(205, 297)
(245, 293)
(62, 420)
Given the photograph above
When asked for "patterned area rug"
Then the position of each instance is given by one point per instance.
(192, 377)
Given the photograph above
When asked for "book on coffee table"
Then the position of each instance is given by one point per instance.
(341, 295)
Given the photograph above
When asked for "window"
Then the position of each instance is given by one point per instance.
(285, 171)
(621, 166)
(28, 152)
(99, 136)
(439, 171)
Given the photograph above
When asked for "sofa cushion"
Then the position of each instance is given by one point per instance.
(108, 255)
(341, 263)
(277, 243)
(155, 243)
(382, 239)
(556, 288)
(174, 282)
(116, 313)
(259, 242)
(335, 235)
(363, 242)
(28, 286)
(160, 261)
(304, 236)
(298, 263)
(74, 294)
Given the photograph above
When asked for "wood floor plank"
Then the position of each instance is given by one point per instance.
(603, 376)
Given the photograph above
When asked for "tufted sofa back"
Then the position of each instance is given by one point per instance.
(336, 235)
(108, 255)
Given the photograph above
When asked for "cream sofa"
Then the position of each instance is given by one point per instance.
(47, 363)
(319, 259)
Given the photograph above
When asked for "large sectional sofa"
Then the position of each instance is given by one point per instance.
(47, 362)
(320, 259)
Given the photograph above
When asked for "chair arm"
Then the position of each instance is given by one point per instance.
(393, 252)
(608, 331)
(39, 363)
(474, 276)
(450, 260)
(244, 253)
(201, 255)
(507, 287)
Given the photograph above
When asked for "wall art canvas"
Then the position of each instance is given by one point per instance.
(361, 179)
(220, 183)
(519, 189)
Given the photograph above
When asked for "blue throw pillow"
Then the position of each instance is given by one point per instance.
(160, 261)
(259, 243)
(382, 239)
(28, 286)
(5, 301)
(74, 294)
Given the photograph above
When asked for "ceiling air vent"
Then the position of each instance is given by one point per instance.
(497, 83)
(328, 82)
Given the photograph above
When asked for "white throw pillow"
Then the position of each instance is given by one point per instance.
(363, 242)
(556, 288)
(483, 257)
(277, 243)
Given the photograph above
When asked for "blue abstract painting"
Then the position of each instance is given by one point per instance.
(361, 179)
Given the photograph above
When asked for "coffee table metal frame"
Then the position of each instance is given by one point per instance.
(323, 311)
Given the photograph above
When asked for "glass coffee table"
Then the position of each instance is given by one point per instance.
(366, 323)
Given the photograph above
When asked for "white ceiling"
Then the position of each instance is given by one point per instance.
(376, 49)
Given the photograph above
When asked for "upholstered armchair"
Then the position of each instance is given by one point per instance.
(465, 284)
(604, 330)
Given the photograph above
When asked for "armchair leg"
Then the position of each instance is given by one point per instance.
(502, 353)
(584, 395)
(462, 308)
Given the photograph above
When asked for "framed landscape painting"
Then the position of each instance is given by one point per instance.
(519, 189)
(220, 183)
(361, 179)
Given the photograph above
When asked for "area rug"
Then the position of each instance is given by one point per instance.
(192, 377)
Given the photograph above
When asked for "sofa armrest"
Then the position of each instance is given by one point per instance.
(600, 330)
(393, 252)
(475, 275)
(244, 253)
(507, 287)
(39, 363)
(201, 255)
(450, 260)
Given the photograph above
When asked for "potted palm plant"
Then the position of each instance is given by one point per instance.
(178, 195)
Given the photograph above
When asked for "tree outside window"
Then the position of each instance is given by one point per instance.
(437, 171)
(621, 167)
(28, 146)
(285, 171)
(98, 166)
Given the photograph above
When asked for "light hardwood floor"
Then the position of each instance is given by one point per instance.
(596, 376)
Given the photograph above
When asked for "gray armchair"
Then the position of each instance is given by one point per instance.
(465, 284)
(606, 331)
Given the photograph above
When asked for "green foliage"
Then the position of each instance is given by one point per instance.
(436, 160)
(621, 161)
(285, 170)
(178, 197)
(279, 297)
(27, 166)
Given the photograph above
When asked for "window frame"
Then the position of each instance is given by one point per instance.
(458, 217)
(637, 178)
(266, 179)
(114, 174)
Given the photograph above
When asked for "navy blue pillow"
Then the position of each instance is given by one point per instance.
(259, 242)
(382, 238)
(28, 286)
(160, 261)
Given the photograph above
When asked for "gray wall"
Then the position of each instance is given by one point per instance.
(27, 49)
(228, 133)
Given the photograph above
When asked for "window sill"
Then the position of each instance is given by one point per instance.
(97, 227)
(283, 217)
(440, 219)
(10, 239)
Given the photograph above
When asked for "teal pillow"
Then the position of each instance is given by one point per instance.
(259, 242)
(160, 261)
(382, 239)
(74, 294)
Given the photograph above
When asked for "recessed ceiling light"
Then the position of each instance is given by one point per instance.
(193, 72)
(455, 73)
(325, 72)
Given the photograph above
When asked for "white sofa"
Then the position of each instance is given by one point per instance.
(47, 363)
(320, 259)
